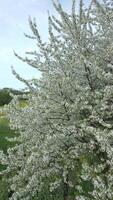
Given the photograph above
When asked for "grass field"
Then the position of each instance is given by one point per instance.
(5, 132)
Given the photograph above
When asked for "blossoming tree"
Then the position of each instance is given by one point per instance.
(65, 143)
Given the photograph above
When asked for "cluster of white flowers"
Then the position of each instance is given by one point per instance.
(66, 129)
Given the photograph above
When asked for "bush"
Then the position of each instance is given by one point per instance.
(5, 97)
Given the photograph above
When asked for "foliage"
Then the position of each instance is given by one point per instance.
(5, 96)
(66, 132)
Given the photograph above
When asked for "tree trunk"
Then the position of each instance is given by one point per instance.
(66, 190)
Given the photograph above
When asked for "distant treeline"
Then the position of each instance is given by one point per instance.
(5, 96)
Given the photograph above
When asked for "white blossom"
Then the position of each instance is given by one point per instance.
(65, 133)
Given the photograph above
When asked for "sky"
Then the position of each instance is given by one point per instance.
(13, 24)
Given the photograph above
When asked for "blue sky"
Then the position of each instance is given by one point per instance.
(13, 24)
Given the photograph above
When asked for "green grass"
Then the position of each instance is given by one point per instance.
(3, 190)
(4, 145)
(23, 103)
(5, 132)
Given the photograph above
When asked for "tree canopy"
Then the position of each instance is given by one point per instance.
(65, 146)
